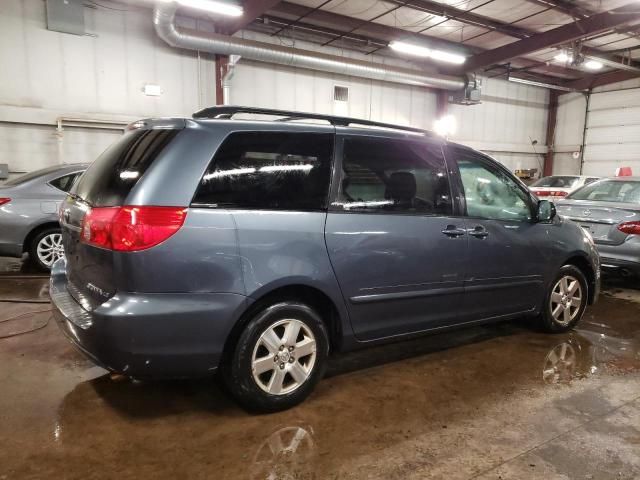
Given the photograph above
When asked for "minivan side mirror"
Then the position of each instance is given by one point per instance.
(546, 211)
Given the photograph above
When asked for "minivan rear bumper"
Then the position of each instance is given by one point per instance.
(149, 335)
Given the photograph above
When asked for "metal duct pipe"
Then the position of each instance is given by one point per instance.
(164, 22)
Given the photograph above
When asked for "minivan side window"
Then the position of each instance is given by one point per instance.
(489, 192)
(393, 176)
(269, 171)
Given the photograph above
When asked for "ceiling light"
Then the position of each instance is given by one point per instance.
(593, 65)
(446, 126)
(427, 52)
(212, 6)
(563, 57)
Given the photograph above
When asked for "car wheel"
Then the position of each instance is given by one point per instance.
(46, 248)
(279, 358)
(565, 301)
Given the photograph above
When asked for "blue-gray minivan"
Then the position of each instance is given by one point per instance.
(255, 248)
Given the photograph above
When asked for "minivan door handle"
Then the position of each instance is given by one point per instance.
(453, 231)
(478, 231)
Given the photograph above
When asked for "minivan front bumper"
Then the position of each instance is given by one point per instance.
(145, 335)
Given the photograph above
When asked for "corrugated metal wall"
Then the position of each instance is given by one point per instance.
(569, 132)
(46, 75)
(101, 77)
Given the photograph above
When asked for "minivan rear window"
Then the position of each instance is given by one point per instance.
(109, 179)
(269, 171)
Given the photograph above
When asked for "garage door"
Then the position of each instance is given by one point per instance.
(613, 132)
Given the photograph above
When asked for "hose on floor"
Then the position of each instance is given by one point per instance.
(16, 317)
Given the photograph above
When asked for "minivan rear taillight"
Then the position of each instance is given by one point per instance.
(630, 228)
(131, 228)
(4, 200)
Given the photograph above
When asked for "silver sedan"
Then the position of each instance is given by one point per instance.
(29, 213)
(609, 210)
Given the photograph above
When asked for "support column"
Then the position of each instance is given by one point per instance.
(222, 62)
(552, 120)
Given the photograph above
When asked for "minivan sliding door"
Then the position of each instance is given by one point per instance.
(397, 251)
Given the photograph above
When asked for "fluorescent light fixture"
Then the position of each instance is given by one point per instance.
(419, 51)
(211, 6)
(542, 85)
(445, 126)
(563, 57)
(593, 65)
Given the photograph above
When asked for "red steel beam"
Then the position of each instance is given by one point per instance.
(595, 24)
(252, 9)
(593, 81)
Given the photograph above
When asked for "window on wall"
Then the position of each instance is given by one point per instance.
(269, 170)
(395, 176)
(489, 192)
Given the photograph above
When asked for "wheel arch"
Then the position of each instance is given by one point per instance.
(310, 295)
(35, 231)
(582, 263)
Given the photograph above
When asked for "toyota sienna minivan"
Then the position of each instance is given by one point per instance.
(256, 248)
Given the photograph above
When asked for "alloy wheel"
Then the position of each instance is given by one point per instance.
(50, 249)
(566, 300)
(284, 357)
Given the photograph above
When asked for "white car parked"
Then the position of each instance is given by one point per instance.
(556, 187)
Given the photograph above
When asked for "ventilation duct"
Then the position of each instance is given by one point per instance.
(164, 21)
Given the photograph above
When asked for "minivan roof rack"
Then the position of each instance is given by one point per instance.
(228, 111)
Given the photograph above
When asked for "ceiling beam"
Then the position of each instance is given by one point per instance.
(565, 6)
(330, 22)
(593, 81)
(252, 9)
(370, 29)
(470, 18)
(571, 32)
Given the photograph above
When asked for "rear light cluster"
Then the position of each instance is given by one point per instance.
(630, 228)
(551, 193)
(4, 200)
(131, 228)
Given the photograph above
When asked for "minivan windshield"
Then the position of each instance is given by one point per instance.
(609, 191)
(108, 181)
(556, 182)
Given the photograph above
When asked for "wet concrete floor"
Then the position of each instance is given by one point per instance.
(495, 402)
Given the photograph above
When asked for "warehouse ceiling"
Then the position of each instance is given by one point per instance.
(500, 38)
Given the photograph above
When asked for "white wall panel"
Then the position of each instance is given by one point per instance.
(45, 75)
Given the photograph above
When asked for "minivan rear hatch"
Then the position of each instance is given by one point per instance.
(107, 183)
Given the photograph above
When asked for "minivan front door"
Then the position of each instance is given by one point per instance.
(395, 247)
(505, 267)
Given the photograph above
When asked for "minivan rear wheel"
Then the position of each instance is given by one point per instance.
(565, 301)
(279, 358)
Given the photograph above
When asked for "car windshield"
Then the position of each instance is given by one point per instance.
(30, 176)
(556, 182)
(627, 191)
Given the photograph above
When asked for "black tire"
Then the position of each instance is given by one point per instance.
(33, 247)
(553, 324)
(237, 371)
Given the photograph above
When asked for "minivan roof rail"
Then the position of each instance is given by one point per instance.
(228, 111)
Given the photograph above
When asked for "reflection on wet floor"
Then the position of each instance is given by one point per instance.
(500, 401)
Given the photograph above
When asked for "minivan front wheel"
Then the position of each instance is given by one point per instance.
(279, 357)
(565, 301)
